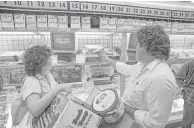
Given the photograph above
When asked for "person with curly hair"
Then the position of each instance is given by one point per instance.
(39, 87)
(148, 95)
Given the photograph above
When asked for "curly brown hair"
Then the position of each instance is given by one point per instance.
(155, 40)
(35, 58)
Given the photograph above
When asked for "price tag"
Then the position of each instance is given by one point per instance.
(63, 22)
(86, 23)
(104, 23)
(42, 21)
(19, 20)
(52, 21)
(75, 21)
(75, 6)
(31, 21)
(7, 21)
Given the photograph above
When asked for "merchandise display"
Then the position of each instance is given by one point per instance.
(77, 31)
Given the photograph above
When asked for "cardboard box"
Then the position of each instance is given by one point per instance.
(77, 116)
(66, 113)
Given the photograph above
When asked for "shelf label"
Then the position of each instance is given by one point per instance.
(74, 6)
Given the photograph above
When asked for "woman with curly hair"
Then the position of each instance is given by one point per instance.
(39, 87)
(148, 95)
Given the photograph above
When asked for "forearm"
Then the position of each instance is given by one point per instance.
(130, 111)
(39, 106)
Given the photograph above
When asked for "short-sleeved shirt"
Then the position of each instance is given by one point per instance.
(151, 90)
(35, 85)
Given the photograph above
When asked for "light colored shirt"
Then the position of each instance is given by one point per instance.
(37, 85)
(151, 90)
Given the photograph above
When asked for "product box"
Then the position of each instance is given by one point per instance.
(50, 116)
(67, 73)
(77, 116)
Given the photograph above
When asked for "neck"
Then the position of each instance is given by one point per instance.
(148, 60)
(42, 73)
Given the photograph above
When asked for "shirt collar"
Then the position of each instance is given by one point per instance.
(39, 76)
(153, 64)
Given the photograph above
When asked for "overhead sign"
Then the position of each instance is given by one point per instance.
(83, 6)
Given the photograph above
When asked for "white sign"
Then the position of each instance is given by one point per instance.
(7, 21)
(31, 21)
(86, 23)
(112, 23)
(63, 22)
(104, 23)
(42, 21)
(52, 21)
(75, 21)
(19, 20)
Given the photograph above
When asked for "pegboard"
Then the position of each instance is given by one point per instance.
(107, 40)
(181, 41)
(19, 41)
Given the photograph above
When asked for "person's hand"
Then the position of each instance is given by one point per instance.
(63, 88)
